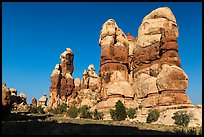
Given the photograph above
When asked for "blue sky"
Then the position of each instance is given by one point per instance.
(34, 34)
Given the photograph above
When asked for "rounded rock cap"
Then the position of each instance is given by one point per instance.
(91, 67)
(162, 12)
(69, 50)
(22, 95)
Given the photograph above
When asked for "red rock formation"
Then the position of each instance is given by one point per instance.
(6, 99)
(155, 57)
(114, 67)
(12, 101)
(132, 42)
(145, 70)
(84, 81)
(114, 54)
(89, 78)
(62, 80)
(34, 102)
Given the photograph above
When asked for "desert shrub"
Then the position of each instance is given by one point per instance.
(179, 131)
(181, 118)
(113, 114)
(53, 111)
(153, 115)
(59, 110)
(84, 112)
(200, 131)
(192, 131)
(62, 108)
(36, 110)
(189, 131)
(131, 113)
(140, 106)
(72, 112)
(97, 115)
(33, 110)
(119, 113)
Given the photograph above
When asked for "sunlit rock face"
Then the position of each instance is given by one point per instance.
(6, 99)
(114, 63)
(143, 71)
(148, 65)
(62, 80)
(157, 74)
(89, 78)
(11, 101)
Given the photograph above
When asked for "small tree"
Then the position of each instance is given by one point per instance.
(119, 113)
(97, 115)
(181, 118)
(36, 110)
(72, 112)
(62, 108)
(59, 110)
(153, 115)
(83, 112)
(131, 113)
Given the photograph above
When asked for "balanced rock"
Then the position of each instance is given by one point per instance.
(43, 101)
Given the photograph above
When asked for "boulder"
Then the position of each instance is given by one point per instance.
(172, 78)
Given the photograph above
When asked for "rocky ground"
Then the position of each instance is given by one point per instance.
(44, 124)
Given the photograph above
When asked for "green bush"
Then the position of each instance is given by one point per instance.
(83, 112)
(153, 115)
(179, 131)
(97, 115)
(60, 110)
(72, 112)
(181, 118)
(53, 111)
(36, 110)
(200, 131)
(119, 113)
(131, 113)
(190, 131)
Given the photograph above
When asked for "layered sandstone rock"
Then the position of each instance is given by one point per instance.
(158, 77)
(143, 72)
(12, 101)
(84, 97)
(6, 99)
(84, 81)
(89, 78)
(114, 64)
(62, 80)
(93, 77)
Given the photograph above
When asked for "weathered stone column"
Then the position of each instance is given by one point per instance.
(158, 78)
